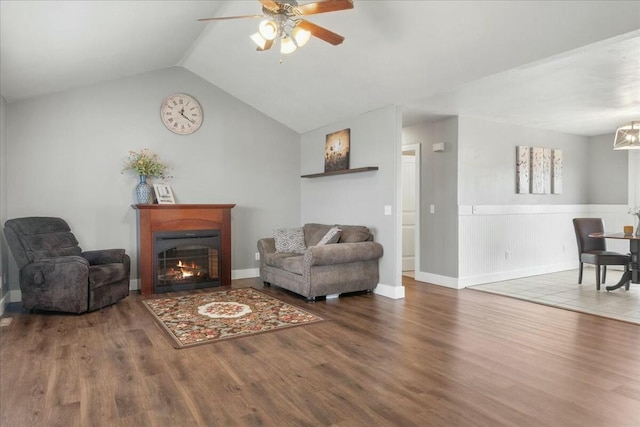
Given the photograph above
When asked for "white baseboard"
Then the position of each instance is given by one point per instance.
(393, 292)
(463, 282)
(134, 284)
(437, 279)
(15, 296)
(3, 303)
(245, 274)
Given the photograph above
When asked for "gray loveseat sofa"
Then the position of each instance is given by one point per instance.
(350, 265)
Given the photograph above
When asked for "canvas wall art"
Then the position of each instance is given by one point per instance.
(336, 151)
(537, 170)
(546, 170)
(523, 161)
(556, 180)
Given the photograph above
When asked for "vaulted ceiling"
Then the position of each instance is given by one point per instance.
(568, 66)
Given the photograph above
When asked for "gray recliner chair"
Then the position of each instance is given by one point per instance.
(56, 275)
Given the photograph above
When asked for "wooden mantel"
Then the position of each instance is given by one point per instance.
(152, 218)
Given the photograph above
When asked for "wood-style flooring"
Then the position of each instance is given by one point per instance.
(439, 357)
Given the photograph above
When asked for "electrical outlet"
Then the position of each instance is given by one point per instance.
(257, 256)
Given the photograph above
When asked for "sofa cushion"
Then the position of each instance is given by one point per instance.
(313, 233)
(289, 240)
(353, 234)
(285, 261)
(293, 264)
(332, 236)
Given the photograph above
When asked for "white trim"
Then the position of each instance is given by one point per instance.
(464, 210)
(15, 296)
(393, 292)
(245, 274)
(437, 279)
(3, 303)
(134, 284)
(463, 282)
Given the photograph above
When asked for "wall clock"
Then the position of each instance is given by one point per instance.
(181, 114)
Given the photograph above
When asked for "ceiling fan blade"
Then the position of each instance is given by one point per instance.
(267, 46)
(270, 4)
(223, 18)
(321, 32)
(325, 6)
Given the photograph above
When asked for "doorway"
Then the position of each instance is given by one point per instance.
(410, 191)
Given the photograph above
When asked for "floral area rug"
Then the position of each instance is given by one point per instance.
(212, 316)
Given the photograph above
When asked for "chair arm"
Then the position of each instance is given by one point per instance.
(266, 245)
(341, 253)
(104, 256)
(59, 271)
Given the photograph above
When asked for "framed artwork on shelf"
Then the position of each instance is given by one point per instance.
(164, 195)
(336, 150)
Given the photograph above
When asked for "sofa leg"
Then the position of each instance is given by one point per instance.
(311, 299)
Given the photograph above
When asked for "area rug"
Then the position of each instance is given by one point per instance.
(213, 316)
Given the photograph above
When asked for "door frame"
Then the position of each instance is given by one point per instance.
(417, 149)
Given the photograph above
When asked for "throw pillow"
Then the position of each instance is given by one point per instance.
(353, 233)
(332, 236)
(289, 240)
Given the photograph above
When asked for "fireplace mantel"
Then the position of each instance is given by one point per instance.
(152, 218)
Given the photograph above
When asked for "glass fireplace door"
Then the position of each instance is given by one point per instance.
(186, 260)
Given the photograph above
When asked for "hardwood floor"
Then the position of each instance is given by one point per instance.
(439, 357)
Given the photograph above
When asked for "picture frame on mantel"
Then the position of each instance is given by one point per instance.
(336, 150)
(164, 195)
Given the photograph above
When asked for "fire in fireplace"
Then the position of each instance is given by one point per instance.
(185, 260)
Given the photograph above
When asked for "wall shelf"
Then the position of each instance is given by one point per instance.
(341, 172)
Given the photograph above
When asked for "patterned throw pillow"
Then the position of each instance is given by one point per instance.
(289, 240)
(332, 236)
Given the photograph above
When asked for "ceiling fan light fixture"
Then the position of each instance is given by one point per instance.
(259, 40)
(268, 29)
(300, 36)
(287, 45)
(628, 137)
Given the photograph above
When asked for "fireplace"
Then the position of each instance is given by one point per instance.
(186, 260)
(198, 236)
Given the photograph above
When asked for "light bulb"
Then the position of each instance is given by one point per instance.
(301, 36)
(259, 40)
(268, 29)
(287, 45)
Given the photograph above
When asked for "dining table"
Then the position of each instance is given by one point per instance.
(633, 273)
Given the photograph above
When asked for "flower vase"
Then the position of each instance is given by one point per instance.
(143, 191)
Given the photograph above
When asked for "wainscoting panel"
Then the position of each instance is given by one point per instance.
(506, 242)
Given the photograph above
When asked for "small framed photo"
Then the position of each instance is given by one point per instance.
(163, 194)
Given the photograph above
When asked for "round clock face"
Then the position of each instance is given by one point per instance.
(181, 114)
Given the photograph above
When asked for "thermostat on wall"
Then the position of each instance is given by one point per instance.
(438, 147)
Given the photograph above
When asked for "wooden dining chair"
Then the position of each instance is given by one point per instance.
(594, 250)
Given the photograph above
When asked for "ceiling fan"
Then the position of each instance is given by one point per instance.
(282, 21)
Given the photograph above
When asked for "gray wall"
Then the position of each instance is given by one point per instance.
(439, 187)
(487, 164)
(358, 198)
(66, 153)
(608, 172)
(4, 256)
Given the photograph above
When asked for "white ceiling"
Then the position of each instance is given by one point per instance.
(568, 66)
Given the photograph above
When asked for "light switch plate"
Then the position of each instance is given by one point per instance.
(387, 210)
